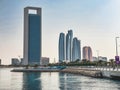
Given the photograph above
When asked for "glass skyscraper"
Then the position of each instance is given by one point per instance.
(69, 38)
(76, 51)
(69, 47)
(61, 47)
(32, 36)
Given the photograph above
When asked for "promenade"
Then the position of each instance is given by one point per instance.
(97, 72)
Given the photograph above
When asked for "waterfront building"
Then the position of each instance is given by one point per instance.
(94, 58)
(21, 61)
(15, 61)
(87, 53)
(61, 47)
(45, 61)
(102, 58)
(69, 38)
(67, 47)
(76, 54)
(32, 36)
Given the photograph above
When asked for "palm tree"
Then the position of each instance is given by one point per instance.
(112, 62)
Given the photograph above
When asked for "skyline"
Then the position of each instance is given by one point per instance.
(95, 23)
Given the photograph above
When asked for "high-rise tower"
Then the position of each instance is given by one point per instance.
(76, 51)
(61, 47)
(87, 53)
(69, 38)
(32, 36)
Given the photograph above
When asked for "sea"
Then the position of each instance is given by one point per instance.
(53, 81)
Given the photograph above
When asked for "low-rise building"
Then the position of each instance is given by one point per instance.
(95, 59)
(15, 61)
(102, 58)
(45, 61)
(21, 61)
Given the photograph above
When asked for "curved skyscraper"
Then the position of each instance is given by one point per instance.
(61, 47)
(87, 53)
(69, 49)
(76, 54)
(69, 38)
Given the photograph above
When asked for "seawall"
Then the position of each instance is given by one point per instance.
(86, 72)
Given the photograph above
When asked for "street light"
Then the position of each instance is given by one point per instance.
(97, 54)
(116, 45)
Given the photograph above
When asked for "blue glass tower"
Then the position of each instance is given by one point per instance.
(69, 38)
(61, 47)
(76, 52)
(32, 36)
(67, 47)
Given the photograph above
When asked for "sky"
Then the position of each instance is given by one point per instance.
(95, 22)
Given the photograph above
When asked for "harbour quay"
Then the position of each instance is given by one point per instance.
(91, 71)
(97, 72)
(83, 71)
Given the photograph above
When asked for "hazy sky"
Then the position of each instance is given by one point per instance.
(95, 22)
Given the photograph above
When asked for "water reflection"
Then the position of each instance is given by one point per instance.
(77, 82)
(31, 81)
(53, 81)
(69, 82)
(50, 81)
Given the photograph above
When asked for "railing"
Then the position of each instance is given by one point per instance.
(101, 68)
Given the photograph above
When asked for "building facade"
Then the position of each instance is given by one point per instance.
(45, 61)
(102, 58)
(76, 54)
(32, 36)
(87, 53)
(95, 59)
(69, 38)
(61, 47)
(15, 61)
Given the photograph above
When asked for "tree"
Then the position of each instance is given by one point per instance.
(27, 66)
(112, 62)
(36, 65)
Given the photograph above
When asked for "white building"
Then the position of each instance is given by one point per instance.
(102, 58)
(45, 61)
(94, 59)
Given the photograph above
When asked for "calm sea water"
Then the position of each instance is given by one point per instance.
(52, 81)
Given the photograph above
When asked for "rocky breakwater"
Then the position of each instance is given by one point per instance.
(82, 71)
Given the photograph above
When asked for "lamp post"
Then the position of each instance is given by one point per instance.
(97, 54)
(116, 46)
(116, 57)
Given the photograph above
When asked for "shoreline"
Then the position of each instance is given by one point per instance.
(74, 70)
